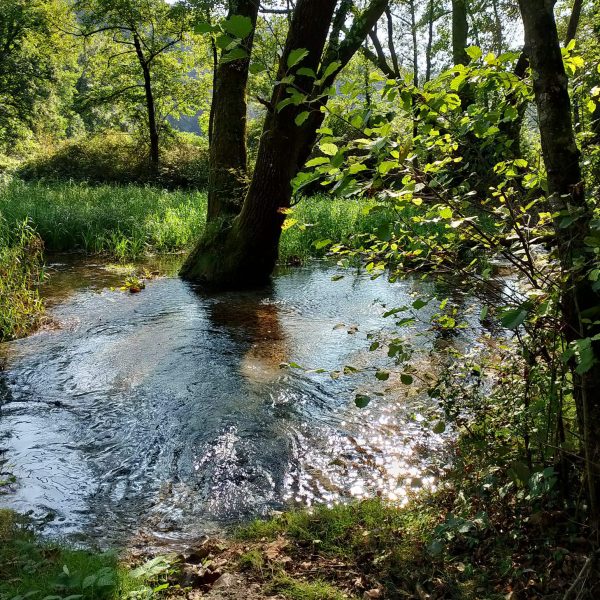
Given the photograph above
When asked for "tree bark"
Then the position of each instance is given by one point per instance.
(460, 32)
(228, 159)
(150, 108)
(415, 43)
(428, 57)
(574, 20)
(567, 196)
(244, 253)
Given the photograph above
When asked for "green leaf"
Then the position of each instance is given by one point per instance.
(382, 375)
(329, 149)
(474, 52)
(361, 400)
(446, 212)
(331, 69)
(585, 355)
(319, 160)
(406, 379)
(355, 168)
(203, 28)
(295, 56)
(511, 319)
(439, 427)
(301, 118)
(235, 54)
(256, 68)
(320, 244)
(418, 304)
(306, 72)
(386, 166)
(238, 26)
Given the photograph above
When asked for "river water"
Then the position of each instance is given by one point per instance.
(166, 414)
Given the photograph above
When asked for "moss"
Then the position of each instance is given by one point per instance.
(296, 589)
(252, 561)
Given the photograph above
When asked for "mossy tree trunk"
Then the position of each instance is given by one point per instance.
(567, 196)
(228, 161)
(242, 252)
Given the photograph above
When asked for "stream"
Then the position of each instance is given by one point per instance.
(166, 414)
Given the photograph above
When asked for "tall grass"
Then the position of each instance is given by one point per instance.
(21, 269)
(129, 221)
(123, 221)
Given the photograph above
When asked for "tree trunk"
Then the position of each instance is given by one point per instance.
(498, 33)
(574, 20)
(150, 108)
(244, 252)
(228, 160)
(567, 196)
(415, 43)
(428, 57)
(460, 32)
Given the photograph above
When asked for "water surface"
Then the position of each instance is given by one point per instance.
(167, 414)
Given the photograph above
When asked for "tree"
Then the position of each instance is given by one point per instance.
(228, 152)
(34, 63)
(243, 251)
(460, 32)
(576, 242)
(144, 58)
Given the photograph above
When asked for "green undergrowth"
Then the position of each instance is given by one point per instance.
(129, 221)
(480, 536)
(30, 568)
(123, 221)
(295, 589)
(21, 269)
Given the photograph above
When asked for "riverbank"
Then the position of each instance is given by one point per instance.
(470, 541)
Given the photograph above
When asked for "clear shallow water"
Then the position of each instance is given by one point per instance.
(166, 413)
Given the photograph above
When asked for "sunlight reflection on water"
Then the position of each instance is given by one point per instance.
(167, 412)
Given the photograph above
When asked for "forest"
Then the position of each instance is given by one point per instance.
(299, 299)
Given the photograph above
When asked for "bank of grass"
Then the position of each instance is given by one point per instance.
(129, 221)
(21, 270)
(481, 536)
(122, 221)
(31, 568)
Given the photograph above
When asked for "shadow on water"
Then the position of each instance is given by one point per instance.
(166, 414)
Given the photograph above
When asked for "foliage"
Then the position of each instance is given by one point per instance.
(119, 158)
(21, 269)
(132, 40)
(30, 567)
(37, 68)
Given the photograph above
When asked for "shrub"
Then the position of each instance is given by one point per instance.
(21, 270)
(114, 157)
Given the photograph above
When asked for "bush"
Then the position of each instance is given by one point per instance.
(120, 158)
(21, 269)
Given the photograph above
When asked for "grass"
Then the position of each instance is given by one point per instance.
(295, 589)
(479, 536)
(123, 221)
(128, 221)
(378, 535)
(32, 568)
(20, 271)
